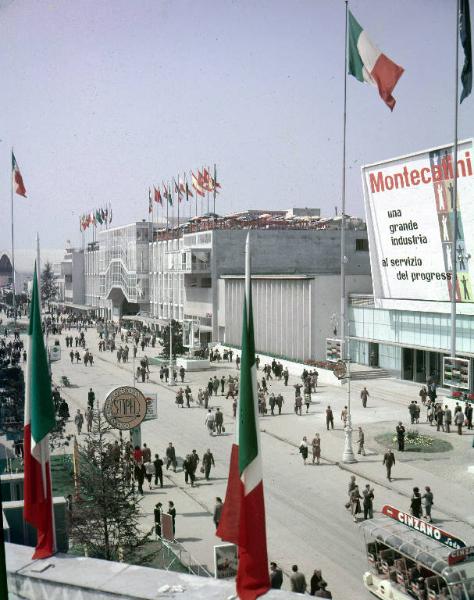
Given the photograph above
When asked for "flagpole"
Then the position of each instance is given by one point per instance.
(38, 262)
(178, 197)
(454, 196)
(207, 192)
(13, 247)
(348, 454)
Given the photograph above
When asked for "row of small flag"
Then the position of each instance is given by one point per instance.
(99, 216)
(201, 183)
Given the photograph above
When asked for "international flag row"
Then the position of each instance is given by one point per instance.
(98, 216)
(202, 182)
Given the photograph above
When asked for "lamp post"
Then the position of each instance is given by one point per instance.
(348, 454)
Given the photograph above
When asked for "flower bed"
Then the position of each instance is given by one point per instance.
(321, 364)
(415, 442)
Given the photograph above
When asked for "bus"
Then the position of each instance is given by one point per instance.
(410, 558)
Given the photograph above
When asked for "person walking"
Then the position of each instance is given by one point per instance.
(448, 418)
(188, 468)
(428, 502)
(329, 417)
(468, 413)
(316, 447)
(89, 418)
(216, 517)
(439, 417)
(222, 385)
(389, 461)
(139, 474)
(210, 421)
(158, 466)
(344, 414)
(459, 421)
(364, 395)
(355, 499)
(157, 515)
(149, 472)
(315, 581)
(146, 454)
(171, 457)
(415, 503)
(78, 421)
(172, 512)
(90, 398)
(401, 436)
(304, 449)
(297, 581)
(368, 502)
(276, 576)
(207, 463)
(361, 442)
(219, 419)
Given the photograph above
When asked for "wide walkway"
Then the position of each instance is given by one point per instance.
(306, 520)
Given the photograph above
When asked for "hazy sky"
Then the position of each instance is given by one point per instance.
(102, 99)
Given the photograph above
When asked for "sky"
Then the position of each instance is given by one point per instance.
(101, 100)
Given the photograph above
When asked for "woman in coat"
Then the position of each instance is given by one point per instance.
(304, 449)
(355, 499)
(415, 504)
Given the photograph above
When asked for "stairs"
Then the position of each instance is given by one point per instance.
(370, 374)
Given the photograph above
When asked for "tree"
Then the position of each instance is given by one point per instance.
(164, 336)
(105, 518)
(49, 289)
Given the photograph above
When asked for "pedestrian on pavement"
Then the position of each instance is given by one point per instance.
(459, 421)
(276, 576)
(344, 414)
(172, 512)
(355, 499)
(279, 401)
(448, 418)
(316, 447)
(149, 472)
(146, 454)
(297, 581)
(188, 468)
(222, 385)
(423, 393)
(137, 454)
(71, 356)
(90, 398)
(304, 449)
(139, 473)
(323, 592)
(89, 418)
(439, 416)
(207, 463)
(389, 461)
(368, 502)
(210, 421)
(286, 376)
(329, 418)
(468, 413)
(216, 517)
(350, 487)
(182, 371)
(171, 457)
(401, 436)
(298, 405)
(272, 402)
(157, 514)
(415, 503)
(361, 442)
(364, 395)
(428, 501)
(307, 401)
(219, 419)
(158, 466)
(78, 421)
(315, 581)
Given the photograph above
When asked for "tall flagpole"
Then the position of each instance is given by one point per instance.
(13, 246)
(454, 196)
(215, 188)
(178, 198)
(348, 454)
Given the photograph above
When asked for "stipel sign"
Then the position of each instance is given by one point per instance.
(423, 527)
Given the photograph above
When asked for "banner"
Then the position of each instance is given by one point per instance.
(410, 223)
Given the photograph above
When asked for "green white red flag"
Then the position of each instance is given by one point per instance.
(367, 63)
(243, 514)
(39, 421)
(18, 185)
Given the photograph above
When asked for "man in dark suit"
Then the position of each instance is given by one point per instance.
(297, 580)
(389, 461)
(276, 576)
(401, 436)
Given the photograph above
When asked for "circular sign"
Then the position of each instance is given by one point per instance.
(125, 407)
(340, 369)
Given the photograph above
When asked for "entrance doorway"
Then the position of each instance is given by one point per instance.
(421, 365)
(373, 355)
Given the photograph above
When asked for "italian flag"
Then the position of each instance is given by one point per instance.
(39, 420)
(243, 515)
(368, 63)
(17, 179)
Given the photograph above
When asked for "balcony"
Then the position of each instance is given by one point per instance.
(195, 262)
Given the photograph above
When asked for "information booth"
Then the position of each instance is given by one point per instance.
(405, 563)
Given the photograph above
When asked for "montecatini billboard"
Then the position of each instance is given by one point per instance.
(409, 211)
